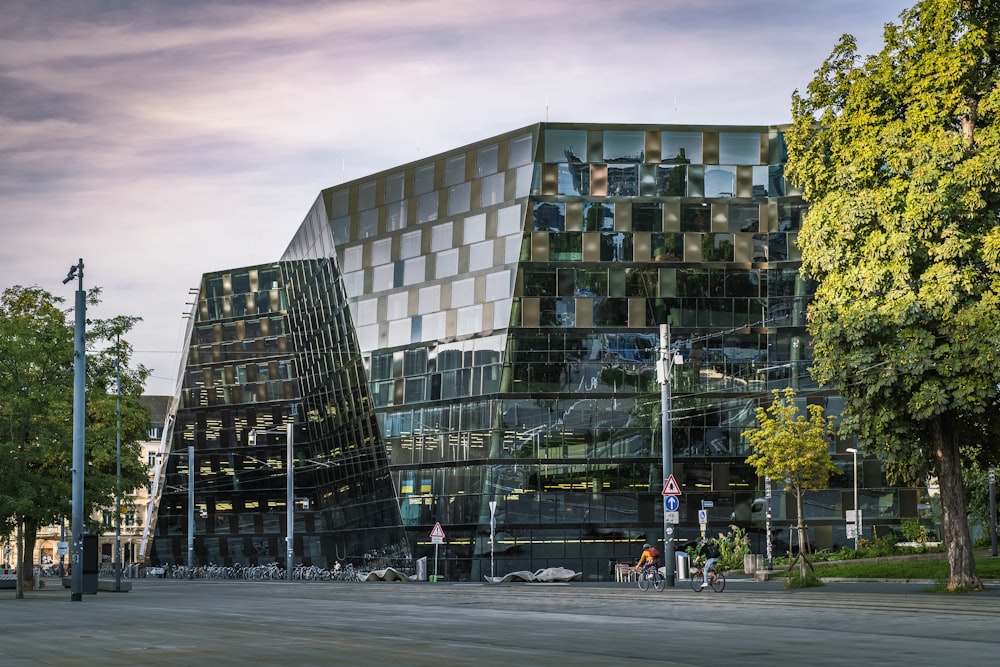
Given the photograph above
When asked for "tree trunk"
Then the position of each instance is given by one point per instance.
(19, 566)
(958, 541)
(801, 530)
(26, 568)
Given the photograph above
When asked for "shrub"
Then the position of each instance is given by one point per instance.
(914, 531)
(796, 580)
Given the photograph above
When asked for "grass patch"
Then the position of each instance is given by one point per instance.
(988, 568)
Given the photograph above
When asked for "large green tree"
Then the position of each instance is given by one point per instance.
(36, 415)
(898, 156)
(793, 449)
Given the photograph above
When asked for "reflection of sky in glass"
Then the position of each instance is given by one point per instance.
(673, 142)
(620, 145)
(739, 148)
(720, 182)
(559, 141)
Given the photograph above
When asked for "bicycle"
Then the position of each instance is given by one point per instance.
(650, 575)
(716, 579)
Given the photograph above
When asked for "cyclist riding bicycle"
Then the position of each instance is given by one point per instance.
(650, 557)
(710, 550)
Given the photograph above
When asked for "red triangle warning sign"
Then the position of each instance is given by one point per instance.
(671, 488)
(438, 531)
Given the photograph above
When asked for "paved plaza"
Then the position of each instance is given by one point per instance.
(178, 622)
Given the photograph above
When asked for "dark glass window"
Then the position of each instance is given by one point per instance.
(647, 217)
(695, 218)
(744, 218)
(415, 362)
(539, 282)
(616, 247)
(241, 283)
(549, 216)
(566, 247)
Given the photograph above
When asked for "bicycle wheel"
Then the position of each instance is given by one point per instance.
(644, 580)
(719, 582)
(658, 581)
(696, 581)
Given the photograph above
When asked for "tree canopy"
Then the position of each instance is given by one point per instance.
(898, 156)
(36, 413)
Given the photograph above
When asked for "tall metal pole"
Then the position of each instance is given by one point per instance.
(857, 511)
(190, 555)
(118, 473)
(667, 446)
(993, 509)
(290, 502)
(79, 409)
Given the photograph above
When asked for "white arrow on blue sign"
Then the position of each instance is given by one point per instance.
(671, 503)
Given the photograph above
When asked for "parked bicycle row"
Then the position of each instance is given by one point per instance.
(263, 572)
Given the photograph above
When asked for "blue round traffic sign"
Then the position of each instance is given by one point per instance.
(671, 503)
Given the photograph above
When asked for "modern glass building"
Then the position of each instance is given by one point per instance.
(471, 340)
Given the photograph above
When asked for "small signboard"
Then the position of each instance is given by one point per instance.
(672, 517)
(437, 534)
(671, 503)
(671, 488)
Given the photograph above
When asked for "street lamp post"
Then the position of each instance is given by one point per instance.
(289, 492)
(290, 501)
(857, 511)
(118, 474)
(190, 542)
(667, 445)
(79, 410)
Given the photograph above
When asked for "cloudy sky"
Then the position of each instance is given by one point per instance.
(162, 139)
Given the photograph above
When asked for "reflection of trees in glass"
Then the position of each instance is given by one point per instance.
(694, 218)
(567, 246)
(717, 247)
(598, 216)
(538, 282)
(549, 217)
(668, 246)
(610, 312)
(671, 181)
(591, 282)
(641, 282)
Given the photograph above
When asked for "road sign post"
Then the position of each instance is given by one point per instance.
(437, 537)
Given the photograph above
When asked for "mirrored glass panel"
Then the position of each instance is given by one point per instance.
(739, 148)
(624, 146)
(519, 152)
(454, 170)
(720, 181)
(486, 160)
(549, 217)
(423, 178)
(598, 216)
(565, 146)
(681, 147)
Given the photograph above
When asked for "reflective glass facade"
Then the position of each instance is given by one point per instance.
(500, 310)
(271, 345)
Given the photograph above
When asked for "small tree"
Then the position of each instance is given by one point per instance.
(791, 447)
